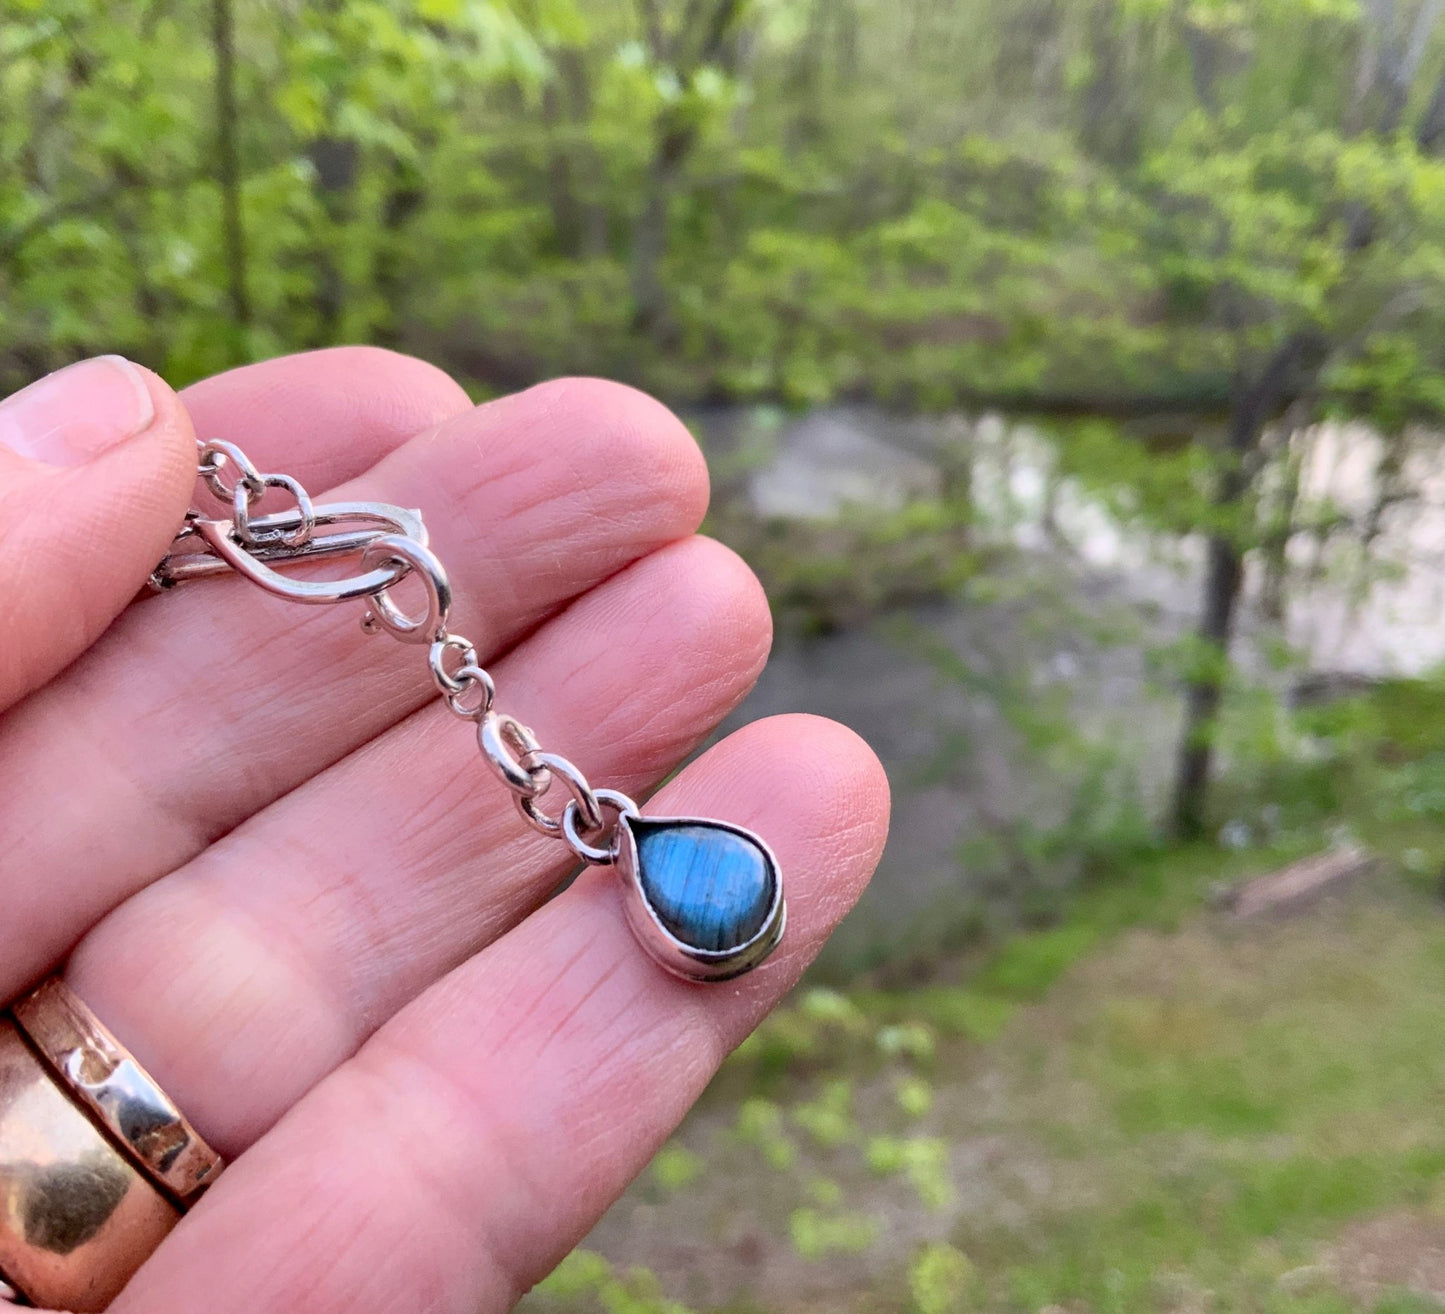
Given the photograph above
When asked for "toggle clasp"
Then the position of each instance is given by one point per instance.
(206, 547)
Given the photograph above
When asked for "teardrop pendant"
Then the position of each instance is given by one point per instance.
(704, 898)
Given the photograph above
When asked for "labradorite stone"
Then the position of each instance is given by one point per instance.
(712, 888)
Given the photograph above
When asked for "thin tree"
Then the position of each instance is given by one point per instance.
(228, 161)
(1291, 371)
(702, 38)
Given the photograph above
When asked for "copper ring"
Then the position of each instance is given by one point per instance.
(100, 1073)
(77, 1216)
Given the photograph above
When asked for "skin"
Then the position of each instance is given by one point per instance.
(288, 881)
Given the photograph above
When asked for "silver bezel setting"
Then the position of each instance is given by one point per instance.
(677, 956)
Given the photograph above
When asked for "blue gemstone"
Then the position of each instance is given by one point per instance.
(711, 887)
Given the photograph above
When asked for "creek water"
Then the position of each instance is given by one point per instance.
(1080, 599)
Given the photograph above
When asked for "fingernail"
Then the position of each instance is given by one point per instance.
(76, 413)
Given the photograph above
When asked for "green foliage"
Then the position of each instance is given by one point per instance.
(790, 200)
(923, 1160)
(941, 1280)
(1200, 1107)
(1025, 966)
(816, 1234)
(828, 1119)
(760, 1123)
(827, 576)
(1279, 1137)
(910, 1040)
(1159, 485)
(1373, 764)
(1108, 207)
(962, 1012)
(914, 1096)
(586, 1278)
(675, 1167)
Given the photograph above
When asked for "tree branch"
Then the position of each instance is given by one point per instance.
(651, 19)
(13, 241)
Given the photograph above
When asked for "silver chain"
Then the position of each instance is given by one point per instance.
(587, 822)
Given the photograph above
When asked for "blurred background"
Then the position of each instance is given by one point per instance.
(1073, 374)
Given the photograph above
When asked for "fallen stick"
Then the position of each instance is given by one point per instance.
(1299, 884)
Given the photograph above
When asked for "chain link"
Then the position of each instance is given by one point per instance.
(508, 747)
(596, 855)
(589, 810)
(213, 460)
(242, 501)
(504, 742)
(412, 558)
(457, 687)
(250, 487)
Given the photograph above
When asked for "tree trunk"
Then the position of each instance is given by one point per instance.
(705, 38)
(335, 162)
(805, 127)
(1290, 370)
(404, 198)
(649, 246)
(1280, 530)
(223, 34)
(1256, 401)
(1111, 123)
(588, 188)
(1223, 578)
(561, 188)
(1390, 486)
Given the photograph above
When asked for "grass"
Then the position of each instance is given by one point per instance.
(1215, 1105)
(1187, 1114)
(1146, 1106)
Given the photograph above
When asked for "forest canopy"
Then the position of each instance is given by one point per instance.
(1111, 204)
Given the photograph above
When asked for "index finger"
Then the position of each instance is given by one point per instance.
(326, 416)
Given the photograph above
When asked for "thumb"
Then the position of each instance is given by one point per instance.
(97, 464)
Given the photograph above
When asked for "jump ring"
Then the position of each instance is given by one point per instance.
(215, 456)
(592, 854)
(504, 741)
(384, 612)
(469, 675)
(472, 677)
(446, 682)
(242, 500)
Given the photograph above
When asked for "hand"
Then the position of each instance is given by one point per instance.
(284, 877)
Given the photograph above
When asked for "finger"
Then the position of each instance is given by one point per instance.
(340, 409)
(492, 1122)
(204, 706)
(245, 978)
(96, 467)
(334, 411)
(326, 416)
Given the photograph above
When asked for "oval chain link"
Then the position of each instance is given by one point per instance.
(589, 810)
(214, 458)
